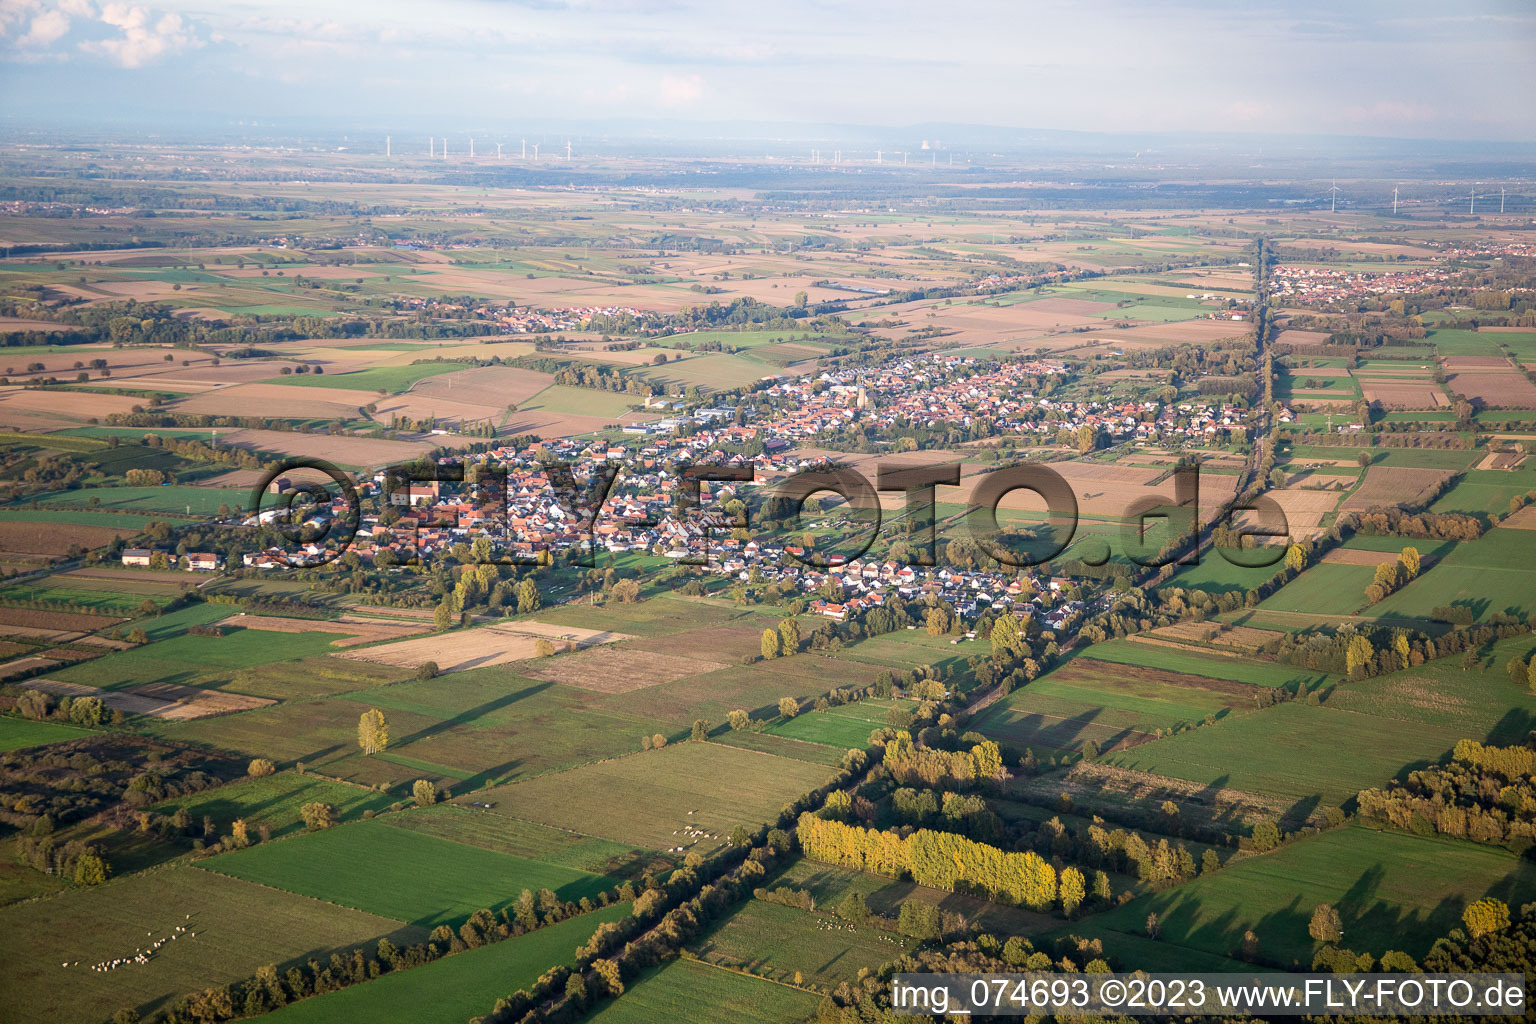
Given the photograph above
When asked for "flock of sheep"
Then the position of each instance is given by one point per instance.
(141, 955)
(692, 833)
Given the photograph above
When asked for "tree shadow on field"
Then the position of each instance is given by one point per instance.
(1297, 814)
(465, 717)
(491, 776)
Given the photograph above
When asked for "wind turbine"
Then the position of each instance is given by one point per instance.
(567, 150)
(535, 152)
(471, 147)
(1333, 191)
(525, 149)
(498, 151)
(431, 146)
(1394, 200)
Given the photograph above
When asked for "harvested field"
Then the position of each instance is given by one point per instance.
(354, 629)
(158, 700)
(139, 579)
(726, 643)
(1405, 396)
(26, 666)
(1525, 519)
(1501, 460)
(1395, 486)
(279, 401)
(1245, 639)
(495, 386)
(1459, 364)
(481, 646)
(1305, 508)
(52, 410)
(617, 669)
(1094, 783)
(346, 451)
(1082, 307)
(52, 624)
(55, 538)
(1355, 556)
(1301, 338)
(1509, 389)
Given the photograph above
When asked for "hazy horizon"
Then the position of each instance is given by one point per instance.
(1172, 66)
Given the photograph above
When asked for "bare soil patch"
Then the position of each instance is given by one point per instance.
(56, 538)
(158, 700)
(1509, 389)
(1352, 556)
(1395, 486)
(617, 669)
(1405, 396)
(495, 644)
(353, 629)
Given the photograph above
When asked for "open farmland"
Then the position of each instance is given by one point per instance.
(781, 942)
(618, 669)
(54, 538)
(688, 795)
(196, 308)
(686, 992)
(234, 928)
(1284, 751)
(1110, 704)
(1393, 890)
(400, 873)
(1395, 486)
(496, 644)
(453, 990)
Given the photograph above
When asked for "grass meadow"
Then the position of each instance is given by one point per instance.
(400, 873)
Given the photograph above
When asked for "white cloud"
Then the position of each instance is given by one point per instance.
(47, 28)
(680, 90)
(141, 43)
(14, 12)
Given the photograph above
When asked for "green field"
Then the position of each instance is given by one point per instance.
(274, 801)
(1487, 491)
(1217, 575)
(846, 726)
(574, 401)
(17, 733)
(1239, 670)
(687, 992)
(1295, 752)
(176, 500)
(523, 839)
(1393, 891)
(400, 873)
(455, 988)
(1465, 343)
(238, 928)
(391, 379)
(128, 523)
(1326, 588)
(1106, 702)
(778, 942)
(647, 799)
(1495, 573)
(196, 660)
(102, 602)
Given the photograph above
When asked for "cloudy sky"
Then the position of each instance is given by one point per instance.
(1406, 68)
